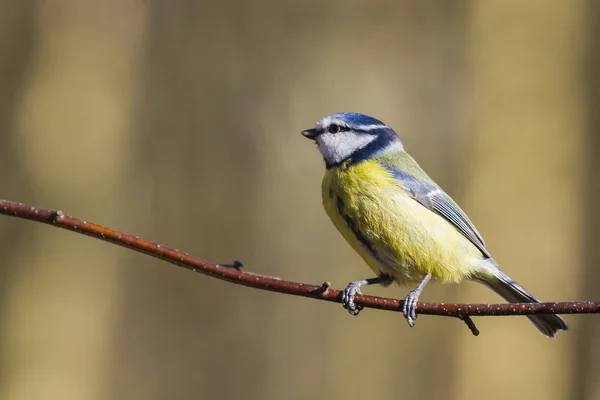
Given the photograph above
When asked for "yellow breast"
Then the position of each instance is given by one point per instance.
(390, 230)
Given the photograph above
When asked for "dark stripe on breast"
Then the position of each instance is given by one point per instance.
(359, 236)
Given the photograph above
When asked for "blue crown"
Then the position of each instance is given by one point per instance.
(353, 118)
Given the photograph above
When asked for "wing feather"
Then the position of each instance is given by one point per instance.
(435, 199)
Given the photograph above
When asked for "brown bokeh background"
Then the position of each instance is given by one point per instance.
(179, 121)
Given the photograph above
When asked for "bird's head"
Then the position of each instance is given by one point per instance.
(347, 135)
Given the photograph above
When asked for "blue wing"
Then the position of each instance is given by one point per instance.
(435, 199)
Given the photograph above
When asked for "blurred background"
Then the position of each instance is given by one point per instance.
(179, 122)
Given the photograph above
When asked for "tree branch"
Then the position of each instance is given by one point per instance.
(234, 274)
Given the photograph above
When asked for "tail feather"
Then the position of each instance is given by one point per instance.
(511, 291)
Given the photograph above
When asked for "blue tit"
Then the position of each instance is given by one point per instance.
(403, 225)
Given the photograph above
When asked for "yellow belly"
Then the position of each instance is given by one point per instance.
(391, 231)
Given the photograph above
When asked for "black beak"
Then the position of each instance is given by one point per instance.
(310, 134)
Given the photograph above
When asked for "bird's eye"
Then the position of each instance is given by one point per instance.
(333, 128)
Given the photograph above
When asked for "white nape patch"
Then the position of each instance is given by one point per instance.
(369, 127)
(336, 147)
(394, 147)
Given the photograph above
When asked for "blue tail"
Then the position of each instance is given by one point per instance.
(511, 291)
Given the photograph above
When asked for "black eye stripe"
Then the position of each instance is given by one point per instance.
(335, 128)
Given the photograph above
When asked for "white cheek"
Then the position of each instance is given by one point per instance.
(337, 147)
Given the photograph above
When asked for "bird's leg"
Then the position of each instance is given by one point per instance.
(410, 302)
(354, 287)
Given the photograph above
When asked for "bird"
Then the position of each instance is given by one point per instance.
(402, 224)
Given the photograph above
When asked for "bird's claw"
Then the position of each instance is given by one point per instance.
(348, 298)
(410, 308)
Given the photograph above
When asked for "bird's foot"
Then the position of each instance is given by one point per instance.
(410, 302)
(348, 294)
(410, 307)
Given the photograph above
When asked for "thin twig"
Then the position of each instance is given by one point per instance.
(470, 324)
(233, 273)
